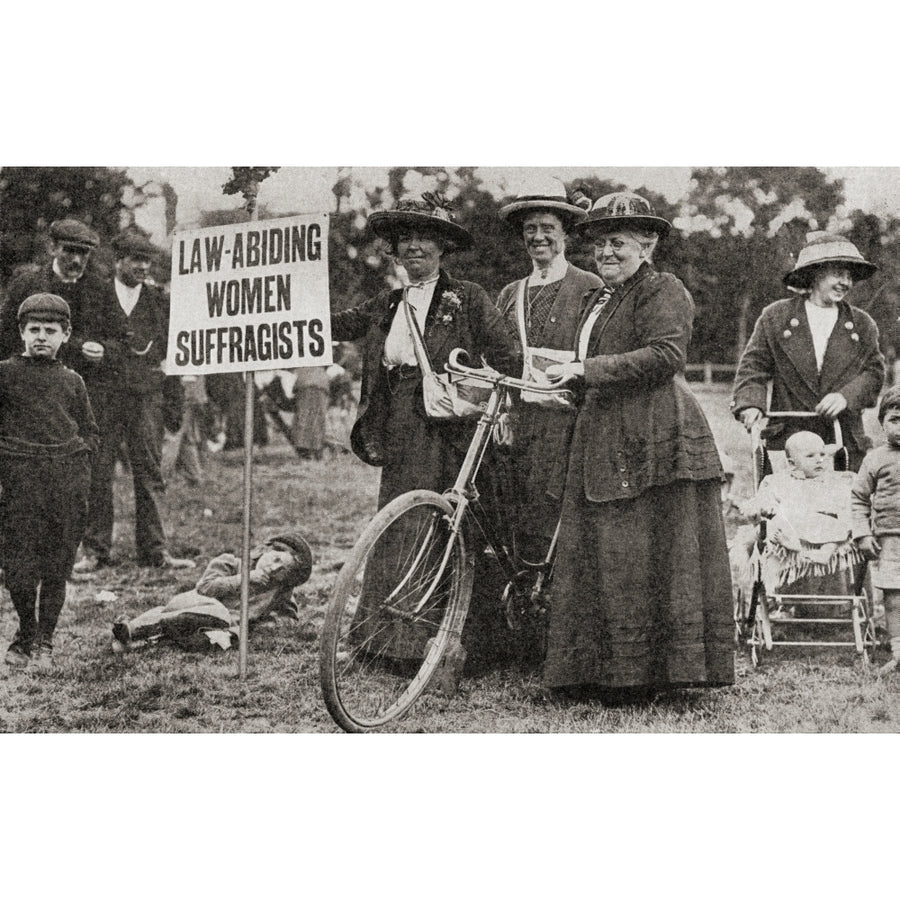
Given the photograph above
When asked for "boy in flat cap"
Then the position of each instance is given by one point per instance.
(47, 434)
(128, 399)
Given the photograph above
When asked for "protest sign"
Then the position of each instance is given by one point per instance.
(250, 296)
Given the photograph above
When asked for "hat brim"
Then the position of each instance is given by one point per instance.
(802, 277)
(386, 224)
(603, 224)
(514, 212)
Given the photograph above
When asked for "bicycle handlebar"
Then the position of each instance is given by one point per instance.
(493, 378)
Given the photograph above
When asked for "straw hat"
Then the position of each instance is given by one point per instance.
(621, 210)
(546, 193)
(432, 213)
(823, 248)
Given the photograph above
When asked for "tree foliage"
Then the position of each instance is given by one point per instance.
(31, 197)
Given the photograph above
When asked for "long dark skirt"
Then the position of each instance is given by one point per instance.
(642, 592)
(542, 440)
(426, 455)
(419, 454)
(417, 457)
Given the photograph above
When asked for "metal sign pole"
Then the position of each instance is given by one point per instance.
(248, 492)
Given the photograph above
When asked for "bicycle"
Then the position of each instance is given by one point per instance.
(401, 599)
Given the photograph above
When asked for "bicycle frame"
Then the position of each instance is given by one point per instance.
(363, 685)
(465, 495)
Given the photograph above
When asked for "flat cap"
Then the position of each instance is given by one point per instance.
(47, 306)
(133, 243)
(299, 547)
(71, 231)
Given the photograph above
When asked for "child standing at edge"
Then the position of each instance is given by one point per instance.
(47, 433)
(876, 517)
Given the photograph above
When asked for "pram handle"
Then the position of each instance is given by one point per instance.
(791, 414)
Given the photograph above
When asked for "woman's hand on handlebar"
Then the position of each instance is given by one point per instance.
(831, 405)
(750, 416)
(560, 373)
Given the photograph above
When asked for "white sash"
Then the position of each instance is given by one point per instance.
(536, 359)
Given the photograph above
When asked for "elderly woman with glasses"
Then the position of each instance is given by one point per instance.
(642, 588)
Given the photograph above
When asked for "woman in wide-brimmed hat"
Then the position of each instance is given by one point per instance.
(391, 429)
(542, 312)
(642, 586)
(820, 353)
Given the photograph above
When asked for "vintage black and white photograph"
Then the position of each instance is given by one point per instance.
(449, 449)
(493, 497)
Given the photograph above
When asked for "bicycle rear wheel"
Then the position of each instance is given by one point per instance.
(399, 599)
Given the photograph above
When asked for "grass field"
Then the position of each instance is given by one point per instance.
(161, 689)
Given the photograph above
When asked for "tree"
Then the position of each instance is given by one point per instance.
(31, 197)
(879, 295)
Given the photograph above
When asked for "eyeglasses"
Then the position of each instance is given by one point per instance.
(613, 243)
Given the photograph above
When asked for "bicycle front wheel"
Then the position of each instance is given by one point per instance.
(399, 599)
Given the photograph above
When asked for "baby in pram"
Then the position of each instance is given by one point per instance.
(809, 525)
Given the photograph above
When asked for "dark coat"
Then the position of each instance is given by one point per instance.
(477, 327)
(639, 425)
(125, 365)
(562, 325)
(780, 350)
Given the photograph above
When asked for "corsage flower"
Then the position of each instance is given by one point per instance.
(448, 307)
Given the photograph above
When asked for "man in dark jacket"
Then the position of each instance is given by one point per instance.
(128, 399)
(67, 275)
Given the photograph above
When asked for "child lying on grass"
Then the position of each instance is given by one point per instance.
(209, 614)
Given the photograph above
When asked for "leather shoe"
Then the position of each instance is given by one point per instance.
(89, 563)
(888, 667)
(165, 560)
(17, 656)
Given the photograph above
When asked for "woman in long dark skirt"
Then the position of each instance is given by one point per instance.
(642, 588)
(392, 430)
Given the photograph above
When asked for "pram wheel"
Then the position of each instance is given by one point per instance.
(864, 628)
(755, 627)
